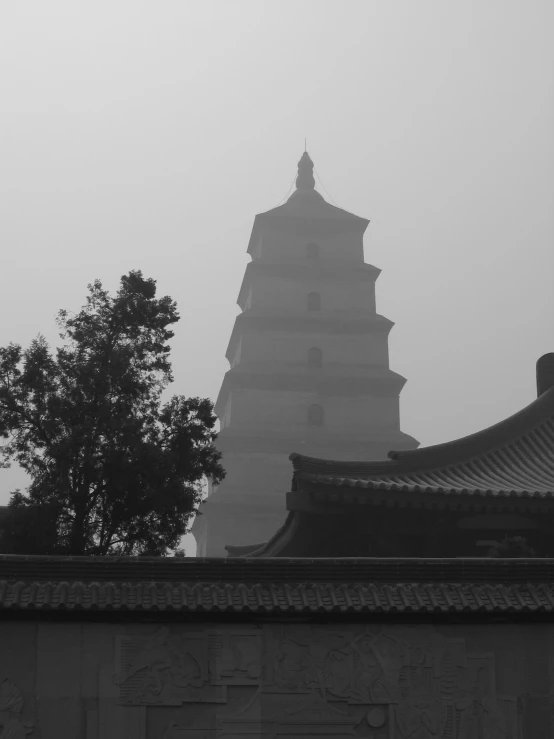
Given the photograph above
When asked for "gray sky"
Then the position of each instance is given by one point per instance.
(147, 135)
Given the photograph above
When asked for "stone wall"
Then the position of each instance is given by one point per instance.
(198, 681)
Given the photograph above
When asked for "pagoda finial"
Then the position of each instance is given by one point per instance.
(305, 179)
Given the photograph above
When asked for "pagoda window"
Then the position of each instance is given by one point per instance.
(315, 415)
(312, 250)
(315, 357)
(314, 301)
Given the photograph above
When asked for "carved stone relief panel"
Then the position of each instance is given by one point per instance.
(383, 682)
(169, 667)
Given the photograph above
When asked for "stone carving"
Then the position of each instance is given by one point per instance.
(455, 700)
(377, 660)
(235, 657)
(433, 688)
(421, 715)
(166, 669)
(274, 714)
(11, 705)
(312, 661)
(480, 715)
(393, 681)
(171, 668)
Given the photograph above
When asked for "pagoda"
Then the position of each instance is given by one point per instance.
(309, 365)
(366, 615)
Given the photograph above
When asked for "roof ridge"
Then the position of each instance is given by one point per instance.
(258, 569)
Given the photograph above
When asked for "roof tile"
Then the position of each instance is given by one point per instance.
(312, 597)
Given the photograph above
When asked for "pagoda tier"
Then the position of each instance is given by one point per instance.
(309, 365)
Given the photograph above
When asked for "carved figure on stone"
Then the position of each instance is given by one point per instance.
(421, 715)
(482, 718)
(247, 658)
(318, 661)
(422, 648)
(157, 654)
(11, 705)
(480, 715)
(235, 658)
(377, 663)
(339, 672)
(166, 670)
(328, 667)
(290, 664)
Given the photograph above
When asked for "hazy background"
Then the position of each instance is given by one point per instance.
(147, 135)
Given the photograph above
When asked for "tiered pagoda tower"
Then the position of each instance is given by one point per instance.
(309, 365)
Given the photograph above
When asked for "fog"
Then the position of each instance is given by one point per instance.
(147, 136)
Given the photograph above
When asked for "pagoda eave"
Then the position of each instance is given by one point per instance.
(298, 272)
(304, 226)
(323, 385)
(294, 323)
(353, 446)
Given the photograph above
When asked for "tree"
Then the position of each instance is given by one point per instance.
(512, 547)
(112, 470)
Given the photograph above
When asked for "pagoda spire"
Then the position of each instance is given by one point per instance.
(305, 179)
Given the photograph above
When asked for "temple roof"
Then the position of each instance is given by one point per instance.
(507, 468)
(514, 458)
(369, 585)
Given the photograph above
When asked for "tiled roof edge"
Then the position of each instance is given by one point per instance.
(420, 492)
(391, 598)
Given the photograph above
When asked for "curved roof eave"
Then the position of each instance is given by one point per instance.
(450, 452)
(274, 214)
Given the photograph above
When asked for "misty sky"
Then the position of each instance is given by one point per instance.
(147, 135)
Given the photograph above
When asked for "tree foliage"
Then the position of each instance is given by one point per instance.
(113, 471)
(512, 547)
